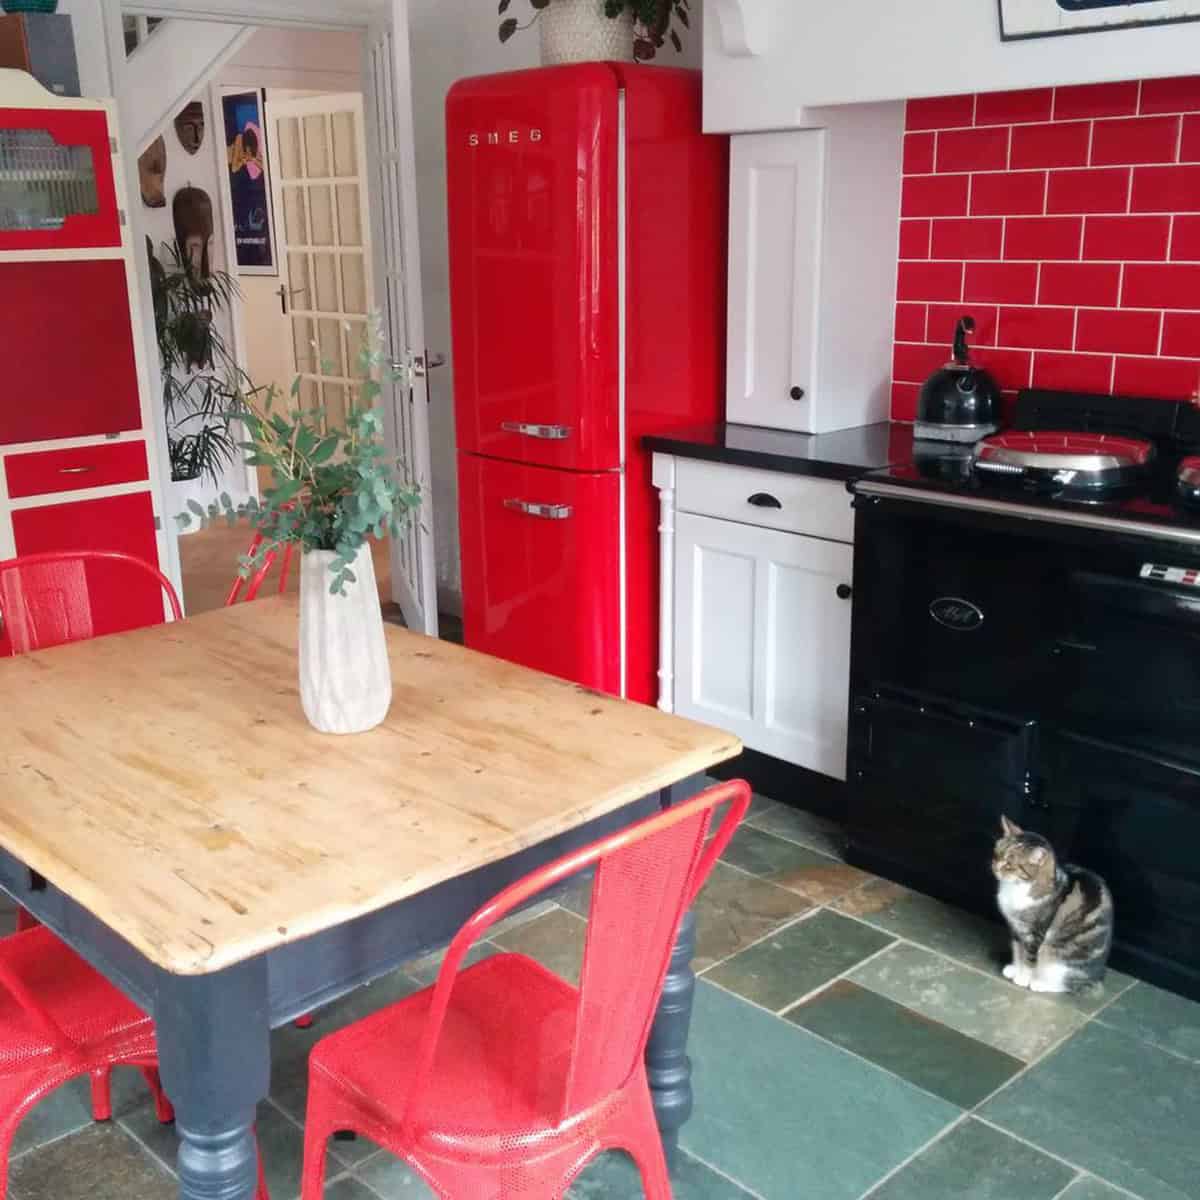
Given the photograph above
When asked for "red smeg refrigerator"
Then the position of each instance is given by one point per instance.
(587, 225)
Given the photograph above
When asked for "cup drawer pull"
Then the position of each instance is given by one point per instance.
(764, 500)
(547, 433)
(547, 512)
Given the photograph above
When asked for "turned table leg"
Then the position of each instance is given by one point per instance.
(667, 1063)
(214, 1051)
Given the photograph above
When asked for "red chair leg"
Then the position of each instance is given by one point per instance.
(316, 1137)
(102, 1094)
(262, 1193)
(163, 1109)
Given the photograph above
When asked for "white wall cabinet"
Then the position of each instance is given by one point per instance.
(756, 620)
(814, 215)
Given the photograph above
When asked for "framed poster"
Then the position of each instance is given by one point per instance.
(249, 184)
(1053, 18)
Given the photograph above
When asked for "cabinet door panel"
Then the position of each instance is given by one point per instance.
(763, 639)
(776, 200)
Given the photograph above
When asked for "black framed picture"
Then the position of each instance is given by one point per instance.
(1054, 18)
(249, 182)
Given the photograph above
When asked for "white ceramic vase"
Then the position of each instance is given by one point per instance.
(578, 31)
(345, 675)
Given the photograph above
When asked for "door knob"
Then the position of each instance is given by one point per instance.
(844, 591)
(797, 393)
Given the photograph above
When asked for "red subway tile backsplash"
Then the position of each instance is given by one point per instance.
(1136, 140)
(1121, 239)
(1042, 237)
(1067, 223)
(1080, 283)
(1096, 100)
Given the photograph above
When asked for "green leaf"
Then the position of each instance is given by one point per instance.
(507, 28)
(675, 41)
(539, 4)
(683, 17)
(196, 507)
(504, 6)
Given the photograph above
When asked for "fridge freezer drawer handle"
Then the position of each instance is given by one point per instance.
(547, 512)
(764, 500)
(548, 433)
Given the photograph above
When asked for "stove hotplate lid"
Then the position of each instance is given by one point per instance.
(1062, 450)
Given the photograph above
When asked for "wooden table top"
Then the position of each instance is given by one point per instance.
(167, 780)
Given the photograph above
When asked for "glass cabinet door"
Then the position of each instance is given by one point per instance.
(56, 180)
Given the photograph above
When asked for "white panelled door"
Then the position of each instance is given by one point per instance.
(397, 276)
(319, 181)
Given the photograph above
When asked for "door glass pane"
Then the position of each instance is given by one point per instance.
(299, 281)
(302, 339)
(349, 215)
(310, 395)
(316, 147)
(345, 145)
(325, 298)
(335, 405)
(43, 183)
(329, 337)
(295, 227)
(320, 206)
(355, 333)
(288, 149)
(354, 283)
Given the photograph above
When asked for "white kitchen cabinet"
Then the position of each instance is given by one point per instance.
(812, 264)
(756, 624)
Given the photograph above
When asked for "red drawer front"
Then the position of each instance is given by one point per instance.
(66, 343)
(81, 230)
(542, 590)
(50, 471)
(124, 523)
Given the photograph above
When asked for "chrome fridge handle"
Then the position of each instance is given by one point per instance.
(547, 512)
(548, 433)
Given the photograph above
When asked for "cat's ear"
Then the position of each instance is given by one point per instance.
(1010, 828)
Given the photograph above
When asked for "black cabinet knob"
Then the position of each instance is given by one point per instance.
(844, 591)
(763, 500)
(797, 393)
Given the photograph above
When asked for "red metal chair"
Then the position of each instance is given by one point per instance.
(45, 600)
(504, 1079)
(258, 578)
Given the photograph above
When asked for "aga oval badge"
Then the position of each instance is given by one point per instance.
(957, 614)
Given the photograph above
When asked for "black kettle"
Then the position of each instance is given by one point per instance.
(961, 402)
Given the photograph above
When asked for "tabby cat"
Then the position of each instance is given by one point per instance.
(1060, 916)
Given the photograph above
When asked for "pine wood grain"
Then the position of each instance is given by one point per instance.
(167, 780)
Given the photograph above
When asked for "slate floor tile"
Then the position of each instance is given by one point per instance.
(975, 1162)
(101, 1163)
(928, 922)
(66, 1108)
(425, 969)
(390, 1178)
(1089, 1188)
(933, 1056)
(734, 909)
(555, 940)
(1115, 1106)
(788, 1115)
(798, 959)
(1158, 1017)
(1011, 1019)
(813, 875)
(809, 829)
(348, 1188)
(614, 1177)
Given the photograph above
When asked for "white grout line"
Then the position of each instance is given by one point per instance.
(737, 1183)
(766, 937)
(915, 1155)
(793, 1004)
(1067, 1187)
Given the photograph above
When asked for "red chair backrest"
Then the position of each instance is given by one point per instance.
(646, 878)
(50, 599)
(253, 583)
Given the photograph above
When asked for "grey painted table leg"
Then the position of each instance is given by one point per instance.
(667, 1062)
(215, 1056)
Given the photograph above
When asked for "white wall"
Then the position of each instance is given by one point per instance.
(452, 39)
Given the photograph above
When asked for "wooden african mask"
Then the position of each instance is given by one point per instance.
(152, 170)
(193, 213)
(189, 126)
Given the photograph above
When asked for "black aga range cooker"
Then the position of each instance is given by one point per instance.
(1026, 640)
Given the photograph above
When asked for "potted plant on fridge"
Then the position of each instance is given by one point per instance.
(598, 30)
(332, 490)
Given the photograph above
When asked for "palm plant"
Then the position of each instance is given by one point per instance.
(202, 385)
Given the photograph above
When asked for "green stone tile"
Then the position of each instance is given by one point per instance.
(809, 829)
(1011, 1019)
(1087, 1188)
(389, 1177)
(734, 909)
(348, 1188)
(928, 922)
(813, 875)
(1117, 1107)
(933, 1056)
(555, 940)
(1158, 1017)
(975, 1162)
(789, 964)
(614, 1177)
(66, 1109)
(788, 1115)
(425, 969)
(101, 1163)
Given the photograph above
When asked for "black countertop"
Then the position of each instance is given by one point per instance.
(843, 455)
